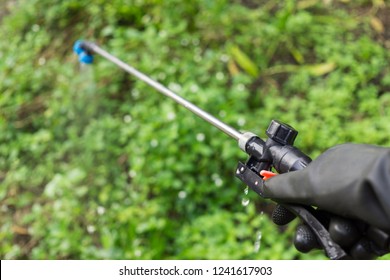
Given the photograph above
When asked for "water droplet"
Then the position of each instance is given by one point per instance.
(174, 87)
(137, 253)
(194, 88)
(154, 143)
(184, 42)
(101, 210)
(171, 116)
(182, 194)
(197, 58)
(224, 58)
(218, 182)
(127, 119)
(135, 93)
(162, 76)
(246, 190)
(240, 87)
(146, 19)
(42, 61)
(35, 28)
(257, 244)
(222, 114)
(241, 121)
(91, 229)
(245, 201)
(162, 34)
(220, 76)
(200, 137)
(132, 173)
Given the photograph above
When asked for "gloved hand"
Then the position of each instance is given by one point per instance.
(350, 186)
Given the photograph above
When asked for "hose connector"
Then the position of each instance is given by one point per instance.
(84, 56)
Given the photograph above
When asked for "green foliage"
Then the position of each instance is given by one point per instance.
(96, 165)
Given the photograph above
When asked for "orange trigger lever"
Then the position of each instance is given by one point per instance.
(267, 174)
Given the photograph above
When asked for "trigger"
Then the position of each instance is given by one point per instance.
(267, 174)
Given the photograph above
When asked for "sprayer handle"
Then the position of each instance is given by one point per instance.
(254, 181)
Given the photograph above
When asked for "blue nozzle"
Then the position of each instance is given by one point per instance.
(77, 47)
(84, 56)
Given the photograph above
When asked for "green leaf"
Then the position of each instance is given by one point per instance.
(320, 69)
(244, 61)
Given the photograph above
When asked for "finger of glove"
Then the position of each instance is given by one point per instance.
(281, 216)
(289, 188)
(304, 239)
(343, 231)
(379, 237)
(380, 241)
(362, 250)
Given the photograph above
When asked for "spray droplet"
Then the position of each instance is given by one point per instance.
(174, 87)
(200, 137)
(132, 173)
(241, 122)
(197, 58)
(162, 76)
(194, 88)
(220, 76)
(195, 42)
(101, 210)
(245, 202)
(240, 87)
(154, 143)
(91, 229)
(222, 114)
(224, 58)
(171, 116)
(127, 119)
(218, 182)
(135, 93)
(162, 33)
(246, 190)
(182, 194)
(258, 242)
(146, 19)
(35, 28)
(137, 253)
(41, 61)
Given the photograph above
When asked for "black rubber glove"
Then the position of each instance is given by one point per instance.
(350, 184)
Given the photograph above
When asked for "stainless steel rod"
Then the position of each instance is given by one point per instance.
(162, 89)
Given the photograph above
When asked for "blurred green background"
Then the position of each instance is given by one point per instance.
(96, 165)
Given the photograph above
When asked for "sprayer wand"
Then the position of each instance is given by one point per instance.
(276, 152)
(93, 48)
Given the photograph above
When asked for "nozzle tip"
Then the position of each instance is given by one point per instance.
(84, 56)
(77, 47)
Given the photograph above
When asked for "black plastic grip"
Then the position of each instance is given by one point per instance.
(304, 240)
(281, 216)
(288, 158)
